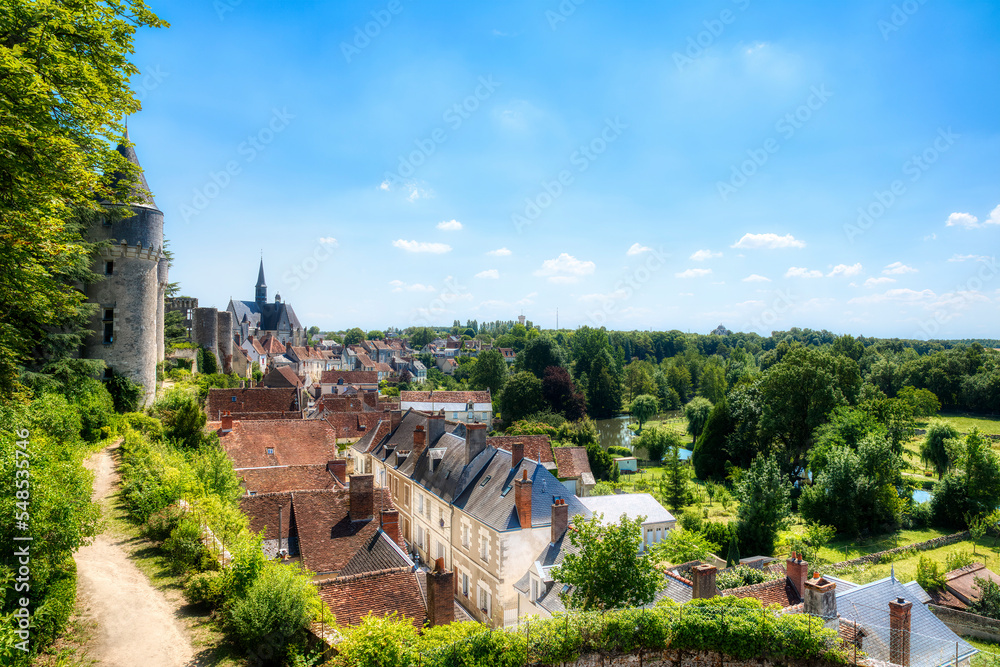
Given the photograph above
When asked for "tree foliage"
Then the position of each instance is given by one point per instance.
(560, 392)
(765, 506)
(697, 412)
(939, 446)
(643, 407)
(609, 572)
(710, 451)
(521, 396)
(490, 372)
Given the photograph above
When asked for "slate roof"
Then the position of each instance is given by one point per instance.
(630, 504)
(264, 316)
(292, 441)
(349, 377)
(374, 436)
(931, 642)
(287, 478)
(249, 401)
(445, 397)
(352, 597)
(571, 461)
(378, 553)
(140, 188)
(536, 447)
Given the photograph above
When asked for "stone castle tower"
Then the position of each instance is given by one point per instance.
(127, 330)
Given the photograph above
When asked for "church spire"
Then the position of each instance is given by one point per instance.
(261, 297)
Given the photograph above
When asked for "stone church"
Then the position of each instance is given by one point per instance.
(258, 317)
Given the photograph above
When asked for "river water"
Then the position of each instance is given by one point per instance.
(615, 431)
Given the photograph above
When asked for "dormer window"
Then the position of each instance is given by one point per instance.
(270, 450)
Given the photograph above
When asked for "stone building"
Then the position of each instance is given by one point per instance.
(127, 329)
(258, 317)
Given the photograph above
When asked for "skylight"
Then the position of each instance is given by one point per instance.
(485, 481)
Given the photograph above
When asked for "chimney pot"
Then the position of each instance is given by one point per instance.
(797, 571)
(362, 497)
(560, 519)
(516, 454)
(703, 581)
(522, 500)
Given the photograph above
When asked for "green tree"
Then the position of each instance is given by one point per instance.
(186, 425)
(710, 455)
(988, 604)
(923, 402)
(521, 396)
(604, 392)
(208, 363)
(682, 546)
(697, 412)
(765, 506)
(656, 442)
(675, 481)
(937, 446)
(538, 354)
(490, 372)
(375, 334)
(354, 336)
(608, 571)
(733, 555)
(643, 407)
(638, 379)
(712, 384)
(420, 336)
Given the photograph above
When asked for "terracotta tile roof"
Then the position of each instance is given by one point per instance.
(374, 436)
(780, 591)
(351, 598)
(328, 539)
(571, 461)
(352, 425)
(365, 361)
(383, 367)
(258, 348)
(349, 377)
(282, 376)
(272, 345)
(962, 582)
(262, 510)
(507, 352)
(947, 599)
(287, 478)
(444, 397)
(249, 401)
(536, 447)
(291, 441)
(333, 403)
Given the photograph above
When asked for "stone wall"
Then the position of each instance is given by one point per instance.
(880, 556)
(677, 658)
(966, 624)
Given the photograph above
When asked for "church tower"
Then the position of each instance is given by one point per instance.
(261, 296)
(127, 330)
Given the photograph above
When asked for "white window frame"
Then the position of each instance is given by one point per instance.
(487, 597)
(465, 584)
(484, 548)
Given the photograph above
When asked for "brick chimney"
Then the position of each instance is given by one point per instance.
(390, 525)
(703, 581)
(797, 570)
(475, 441)
(522, 500)
(516, 454)
(338, 468)
(362, 497)
(560, 519)
(435, 427)
(899, 632)
(395, 417)
(227, 422)
(440, 595)
(419, 439)
(821, 600)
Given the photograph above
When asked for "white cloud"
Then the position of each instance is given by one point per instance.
(898, 268)
(702, 255)
(693, 273)
(565, 269)
(969, 221)
(845, 270)
(417, 193)
(492, 274)
(768, 240)
(754, 278)
(422, 246)
(881, 280)
(328, 240)
(499, 252)
(449, 225)
(800, 272)
(400, 286)
(966, 258)
(384, 185)
(900, 294)
(637, 249)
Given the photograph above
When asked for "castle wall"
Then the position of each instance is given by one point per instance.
(225, 340)
(162, 276)
(131, 294)
(205, 329)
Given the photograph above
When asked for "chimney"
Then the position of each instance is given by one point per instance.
(227, 422)
(395, 417)
(362, 497)
(419, 439)
(703, 581)
(516, 454)
(821, 600)
(440, 595)
(899, 632)
(435, 427)
(338, 468)
(560, 519)
(522, 500)
(797, 571)
(475, 441)
(390, 524)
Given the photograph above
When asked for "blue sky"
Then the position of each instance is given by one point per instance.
(761, 165)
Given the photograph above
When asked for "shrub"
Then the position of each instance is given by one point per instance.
(388, 641)
(151, 427)
(929, 574)
(51, 617)
(618, 450)
(96, 408)
(742, 575)
(718, 533)
(204, 588)
(125, 394)
(275, 612)
(691, 519)
(184, 545)
(958, 559)
(162, 523)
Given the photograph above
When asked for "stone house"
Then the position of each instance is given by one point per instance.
(463, 406)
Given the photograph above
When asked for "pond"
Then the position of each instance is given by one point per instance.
(921, 496)
(615, 432)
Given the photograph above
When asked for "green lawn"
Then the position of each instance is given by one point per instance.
(906, 568)
(966, 421)
(989, 655)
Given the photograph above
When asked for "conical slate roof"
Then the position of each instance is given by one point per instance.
(260, 275)
(140, 190)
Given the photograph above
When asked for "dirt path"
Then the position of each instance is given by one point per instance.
(136, 625)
